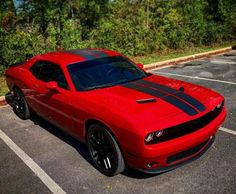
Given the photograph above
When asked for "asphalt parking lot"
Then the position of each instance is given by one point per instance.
(64, 165)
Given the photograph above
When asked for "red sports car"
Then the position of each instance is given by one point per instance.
(126, 116)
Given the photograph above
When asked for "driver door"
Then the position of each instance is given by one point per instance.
(52, 104)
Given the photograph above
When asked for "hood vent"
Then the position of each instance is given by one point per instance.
(141, 101)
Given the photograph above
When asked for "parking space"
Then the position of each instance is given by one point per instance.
(217, 73)
(12, 169)
(65, 161)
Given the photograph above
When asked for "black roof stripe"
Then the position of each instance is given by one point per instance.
(192, 101)
(82, 53)
(168, 98)
(88, 53)
(99, 53)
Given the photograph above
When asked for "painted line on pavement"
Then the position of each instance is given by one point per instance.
(232, 132)
(40, 173)
(196, 77)
(220, 62)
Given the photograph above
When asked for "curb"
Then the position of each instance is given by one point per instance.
(185, 59)
(3, 101)
(175, 61)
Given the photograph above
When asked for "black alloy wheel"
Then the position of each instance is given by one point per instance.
(104, 150)
(20, 106)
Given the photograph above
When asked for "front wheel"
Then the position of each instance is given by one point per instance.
(104, 150)
(20, 106)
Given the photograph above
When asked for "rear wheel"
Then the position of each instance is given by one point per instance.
(20, 106)
(104, 150)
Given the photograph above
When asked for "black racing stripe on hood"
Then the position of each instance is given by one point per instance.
(134, 86)
(181, 105)
(192, 101)
(158, 86)
(170, 99)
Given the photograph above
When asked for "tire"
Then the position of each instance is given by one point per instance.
(20, 106)
(104, 150)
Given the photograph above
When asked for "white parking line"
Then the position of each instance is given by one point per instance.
(196, 77)
(41, 174)
(220, 62)
(228, 130)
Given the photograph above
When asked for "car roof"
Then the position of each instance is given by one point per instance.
(77, 55)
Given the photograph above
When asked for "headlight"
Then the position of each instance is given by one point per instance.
(218, 106)
(149, 137)
(159, 133)
(153, 136)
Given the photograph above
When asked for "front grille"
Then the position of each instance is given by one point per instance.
(188, 127)
(186, 153)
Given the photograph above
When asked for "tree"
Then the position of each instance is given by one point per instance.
(134, 27)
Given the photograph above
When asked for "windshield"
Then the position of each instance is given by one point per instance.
(103, 72)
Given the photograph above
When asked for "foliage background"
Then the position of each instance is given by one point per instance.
(133, 27)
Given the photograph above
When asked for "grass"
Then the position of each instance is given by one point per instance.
(3, 86)
(171, 54)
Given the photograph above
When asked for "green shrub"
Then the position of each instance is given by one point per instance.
(131, 27)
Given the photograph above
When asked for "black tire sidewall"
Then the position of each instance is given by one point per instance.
(26, 113)
(119, 163)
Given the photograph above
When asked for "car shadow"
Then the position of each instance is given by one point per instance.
(80, 147)
(132, 173)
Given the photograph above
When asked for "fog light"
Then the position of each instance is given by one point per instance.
(152, 164)
(159, 133)
(218, 106)
(149, 137)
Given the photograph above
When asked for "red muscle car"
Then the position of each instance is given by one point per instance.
(126, 116)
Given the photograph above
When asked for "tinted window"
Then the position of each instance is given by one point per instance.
(35, 69)
(104, 72)
(46, 71)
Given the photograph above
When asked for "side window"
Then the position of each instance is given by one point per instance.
(36, 68)
(46, 71)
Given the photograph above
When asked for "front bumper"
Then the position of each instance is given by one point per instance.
(167, 155)
(190, 158)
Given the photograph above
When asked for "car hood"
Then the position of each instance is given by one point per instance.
(156, 101)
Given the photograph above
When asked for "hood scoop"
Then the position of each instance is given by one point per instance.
(148, 100)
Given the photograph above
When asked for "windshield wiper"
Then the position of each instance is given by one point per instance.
(127, 81)
(100, 86)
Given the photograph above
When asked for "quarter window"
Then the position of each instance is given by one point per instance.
(35, 69)
(47, 71)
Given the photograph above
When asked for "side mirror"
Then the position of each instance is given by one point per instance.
(52, 85)
(140, 65)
